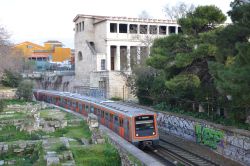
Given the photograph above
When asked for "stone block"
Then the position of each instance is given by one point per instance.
(18, 150)
(22, 145)
(52, 161)
(5, 148)
(100, 141)
(1, 162)
(84, 141)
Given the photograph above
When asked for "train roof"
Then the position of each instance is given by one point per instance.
(119, 107)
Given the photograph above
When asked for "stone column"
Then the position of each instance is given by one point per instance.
(128, 58)
(138, 54)
(108, 58)
(167, 30)
(176, 29)
(118, 59)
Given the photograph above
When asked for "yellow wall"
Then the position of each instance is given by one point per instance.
(26, 49)
(48, 46)
(61, 54)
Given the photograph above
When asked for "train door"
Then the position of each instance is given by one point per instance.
(116, 124)
(126, 128)
(107, 119)
(111, 122)
(121, 129)
(102, 117)
(77, 108)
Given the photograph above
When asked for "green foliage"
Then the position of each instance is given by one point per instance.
(11, 79)
(25, 90)
(231, 72)
(116, 99)
(183, 82)
(202, 19)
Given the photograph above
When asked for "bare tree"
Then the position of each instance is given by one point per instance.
(178, 11)
(10, 58)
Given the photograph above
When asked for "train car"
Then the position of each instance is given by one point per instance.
(136, 125)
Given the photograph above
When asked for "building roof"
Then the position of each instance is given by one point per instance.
(118, 107)
(53, 41)
(30, 43)
(116, 18)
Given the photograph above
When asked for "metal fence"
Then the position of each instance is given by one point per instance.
(92, 92)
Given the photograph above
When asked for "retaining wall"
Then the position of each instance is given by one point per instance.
(229, 142)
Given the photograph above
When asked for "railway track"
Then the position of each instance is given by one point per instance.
(178, 156)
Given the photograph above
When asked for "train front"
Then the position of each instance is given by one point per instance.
(145, 131)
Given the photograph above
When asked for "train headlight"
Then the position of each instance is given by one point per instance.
(153, 133)
(137, 135)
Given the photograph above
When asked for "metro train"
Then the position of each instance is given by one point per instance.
(136, 125)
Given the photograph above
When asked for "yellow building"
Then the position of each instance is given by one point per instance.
(52, 49)
(28, 48)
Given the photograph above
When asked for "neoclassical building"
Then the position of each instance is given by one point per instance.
(108, 48)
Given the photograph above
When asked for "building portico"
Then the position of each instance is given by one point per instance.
(112, 46)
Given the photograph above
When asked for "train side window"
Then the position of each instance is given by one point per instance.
(102, 114)
(128, 124)
(91, 109)
(86, 108)
(116, 120)
(76, 104)
(80, 106)
(120, 122)
(106, 116)
(111, 117)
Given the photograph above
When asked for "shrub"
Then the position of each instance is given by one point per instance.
(116, 99)
(24, 90)
(11, 79)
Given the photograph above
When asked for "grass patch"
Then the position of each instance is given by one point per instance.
(69, 116)
(10, 133)
(15, 115)
(98, 155)
(134, 160)
(16, 101)
(76, 132)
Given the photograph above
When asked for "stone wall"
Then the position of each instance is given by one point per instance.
(231, 143)
(8, 94)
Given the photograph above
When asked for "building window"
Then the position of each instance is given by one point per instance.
(82, 25)
(162, 30)
(103, 64)
(29, 46)
(123, 28)
(79, 56)
(76, 27)
(171, 29)
(143, 29)
(153, 29)
(133, 28)
(113, 27)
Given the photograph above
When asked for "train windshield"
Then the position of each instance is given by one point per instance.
(144, 125)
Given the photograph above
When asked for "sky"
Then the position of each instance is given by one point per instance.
(41, 20)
